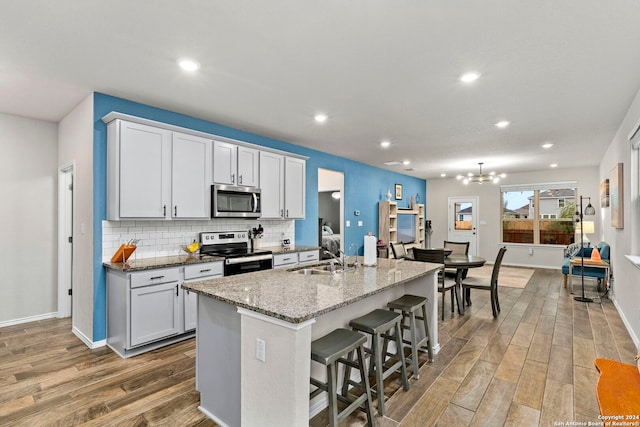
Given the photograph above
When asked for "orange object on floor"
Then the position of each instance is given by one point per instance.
(618, 388)
(595, 255)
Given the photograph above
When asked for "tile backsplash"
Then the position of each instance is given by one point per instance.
(164, 238)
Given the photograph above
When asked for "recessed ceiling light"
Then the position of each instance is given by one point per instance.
(442, 175)
(406, 162)
(547, 145)
(188, 65)
(385, 144)
(502, 124)
(469, 77)
(320, 118)
(553, 165)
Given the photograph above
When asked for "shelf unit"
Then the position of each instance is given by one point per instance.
(388, 213)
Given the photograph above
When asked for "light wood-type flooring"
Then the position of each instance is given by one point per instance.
(531, 366)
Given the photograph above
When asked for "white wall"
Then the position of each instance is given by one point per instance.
(625, 290)
(75, 141)
(28, 219)
(439, 190)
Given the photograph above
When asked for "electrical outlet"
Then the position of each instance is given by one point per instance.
(348, 224)
(359, 223)
(260, 349)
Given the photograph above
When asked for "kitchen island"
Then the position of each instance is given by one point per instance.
(255, 330)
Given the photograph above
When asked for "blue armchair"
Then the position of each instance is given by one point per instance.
(595, 272)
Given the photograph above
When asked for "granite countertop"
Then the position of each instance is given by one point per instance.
(291, 249)
(160, 262)
(295, 298)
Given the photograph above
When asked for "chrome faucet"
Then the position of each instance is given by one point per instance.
(332, 255)
(353, 245)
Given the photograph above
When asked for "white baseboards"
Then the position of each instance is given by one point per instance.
(28, 319)
(634, 337)
(89, 343)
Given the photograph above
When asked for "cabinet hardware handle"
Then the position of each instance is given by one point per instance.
(205, 270)
(281, 212)
(157, 277)
(239, 179)
(176, 290)
(286, 259)
(287, 213)
(164, 211)
(175, 210)
(233, 178)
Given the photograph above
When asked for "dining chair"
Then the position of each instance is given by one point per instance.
(398, 249)
(437, 256)
(458, 248)
(492, 286)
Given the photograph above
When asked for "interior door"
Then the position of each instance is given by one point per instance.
(463, 221)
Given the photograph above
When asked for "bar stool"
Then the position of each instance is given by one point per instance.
(331, 349)
(377, 323)
(409, 305)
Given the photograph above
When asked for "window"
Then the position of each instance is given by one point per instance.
(541, 214)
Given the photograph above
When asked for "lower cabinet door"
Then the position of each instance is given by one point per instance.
(155, 313)
(190, 310)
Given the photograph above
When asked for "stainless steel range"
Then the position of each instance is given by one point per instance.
(234, 247)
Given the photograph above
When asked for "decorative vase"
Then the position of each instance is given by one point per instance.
(388, 195)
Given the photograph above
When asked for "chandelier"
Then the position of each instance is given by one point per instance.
(480, 177)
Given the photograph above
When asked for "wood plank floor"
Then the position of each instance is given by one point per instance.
(531, 366)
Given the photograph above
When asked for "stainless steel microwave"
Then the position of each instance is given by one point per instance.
(228, 201)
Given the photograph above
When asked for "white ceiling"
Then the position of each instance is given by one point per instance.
(560, 71)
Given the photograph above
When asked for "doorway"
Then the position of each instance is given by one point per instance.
(462, 221)
(65, 239)
(330, 211)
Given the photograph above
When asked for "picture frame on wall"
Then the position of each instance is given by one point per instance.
(398, 191)
(604, 194)
(616, 200)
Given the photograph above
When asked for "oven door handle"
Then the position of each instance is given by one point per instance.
(245, 259)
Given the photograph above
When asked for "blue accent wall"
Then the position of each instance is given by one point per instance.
(364, 185)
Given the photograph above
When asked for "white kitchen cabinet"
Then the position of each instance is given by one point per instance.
(292, 259)
(271, 185)
(294, 188)
(289, 259)
(308, 256)
(234, 164)
(190, 172)
(153, 173)
(155, 312)
(248, 166)
(282, 182)
(139, 163)
(149, 309)
(197, 272)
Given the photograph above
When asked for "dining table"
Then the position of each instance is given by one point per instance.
(461, 262)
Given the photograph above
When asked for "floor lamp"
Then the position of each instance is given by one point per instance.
(588, 210)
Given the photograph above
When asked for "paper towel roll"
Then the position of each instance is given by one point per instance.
(370, 250)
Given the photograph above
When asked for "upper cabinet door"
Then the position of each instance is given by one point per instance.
(272, 185)
(144, 179)
(190, 176)
(224, 163)
(294, 188)
(248, 160)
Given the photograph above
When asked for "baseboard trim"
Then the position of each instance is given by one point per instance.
(626, 322)
(89, 343)
(28, 319)
(212, 417)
